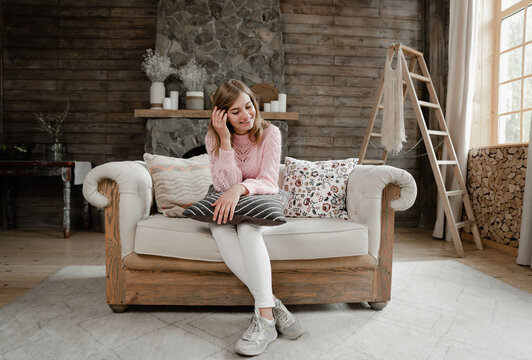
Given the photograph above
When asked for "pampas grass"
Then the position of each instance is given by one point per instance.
(156, 66)
(193, 76)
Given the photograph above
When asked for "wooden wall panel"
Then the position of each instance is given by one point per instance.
(436, 55)
(334, 56)
(85, 52)
(88, 52)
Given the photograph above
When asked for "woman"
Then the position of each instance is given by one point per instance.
(244, 152)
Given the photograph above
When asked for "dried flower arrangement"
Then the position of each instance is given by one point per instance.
(156, 66)
(194, 77)
(52, 123)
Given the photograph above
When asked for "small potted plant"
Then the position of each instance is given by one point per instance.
(157, 68)
(194, 78)
(15, 151)
(52, 123)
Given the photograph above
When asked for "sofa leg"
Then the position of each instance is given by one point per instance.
(118, 308)
(378, 305)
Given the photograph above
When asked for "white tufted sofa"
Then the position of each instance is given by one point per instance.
(152, 259)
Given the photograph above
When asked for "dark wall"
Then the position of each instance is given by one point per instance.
(89, 53)
(436, 47)
(85, 52)
(335, 52)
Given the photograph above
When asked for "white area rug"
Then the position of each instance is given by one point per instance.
(439, 310)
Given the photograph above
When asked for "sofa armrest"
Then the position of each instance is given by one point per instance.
(364, 193)
(135, 195)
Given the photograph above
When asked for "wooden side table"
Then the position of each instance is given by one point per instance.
(64, 169)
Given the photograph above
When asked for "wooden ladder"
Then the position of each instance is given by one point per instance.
(409, 75)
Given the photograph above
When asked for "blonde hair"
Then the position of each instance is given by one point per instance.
(224, 97)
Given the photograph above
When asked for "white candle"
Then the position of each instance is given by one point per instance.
(282, 102)
(267, 107)
(167, 103)
(174, 95)
(275, 106)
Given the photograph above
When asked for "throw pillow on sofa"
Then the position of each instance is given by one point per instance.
(318, 189)
(261, 209)
(178, 182)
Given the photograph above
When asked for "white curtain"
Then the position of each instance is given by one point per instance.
(461, 82)
(524, 256)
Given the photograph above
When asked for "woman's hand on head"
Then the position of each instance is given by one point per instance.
(224, 207)
(219, 122)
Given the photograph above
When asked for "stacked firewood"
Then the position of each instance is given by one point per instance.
(496, 184)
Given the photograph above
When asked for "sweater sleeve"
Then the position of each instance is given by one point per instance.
(267, 180)
(224, 171)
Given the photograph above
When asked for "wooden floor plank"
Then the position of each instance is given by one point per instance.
(28, 256)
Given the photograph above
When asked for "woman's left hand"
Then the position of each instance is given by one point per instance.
(224, 207)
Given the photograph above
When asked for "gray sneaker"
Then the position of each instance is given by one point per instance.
(287, 324)
(257, 336)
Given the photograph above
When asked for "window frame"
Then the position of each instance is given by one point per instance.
(499, 16)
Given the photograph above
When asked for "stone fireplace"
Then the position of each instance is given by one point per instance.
(176, 136)
(238, 39)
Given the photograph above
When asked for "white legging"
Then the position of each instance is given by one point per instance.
(243, 250)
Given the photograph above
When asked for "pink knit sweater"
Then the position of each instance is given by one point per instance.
(256, 166)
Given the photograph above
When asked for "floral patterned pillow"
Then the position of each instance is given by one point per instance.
(317, 188)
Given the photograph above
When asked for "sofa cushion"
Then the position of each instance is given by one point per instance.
(298, 239)
(318, 189)
(260, 209)
(178, 182)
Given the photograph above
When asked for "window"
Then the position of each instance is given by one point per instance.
(514, 75)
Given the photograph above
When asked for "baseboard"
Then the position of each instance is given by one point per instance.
(491, 244)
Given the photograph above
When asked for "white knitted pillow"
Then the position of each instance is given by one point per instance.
(178, 183)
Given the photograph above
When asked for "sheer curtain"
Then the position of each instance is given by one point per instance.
(524, 256)
(462, 58)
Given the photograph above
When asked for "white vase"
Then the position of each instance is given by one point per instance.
(194, 100)
(157, 93)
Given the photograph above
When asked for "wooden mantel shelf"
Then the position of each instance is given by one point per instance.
(205, 114)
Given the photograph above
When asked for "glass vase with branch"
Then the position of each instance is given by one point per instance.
(52, 123)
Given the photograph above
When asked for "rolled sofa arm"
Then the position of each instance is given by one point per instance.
(364, 193)
(135, 189)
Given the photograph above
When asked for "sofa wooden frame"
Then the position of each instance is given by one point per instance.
(186, 282)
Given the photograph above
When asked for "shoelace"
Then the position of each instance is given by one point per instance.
(253, 329)
(284, 318)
